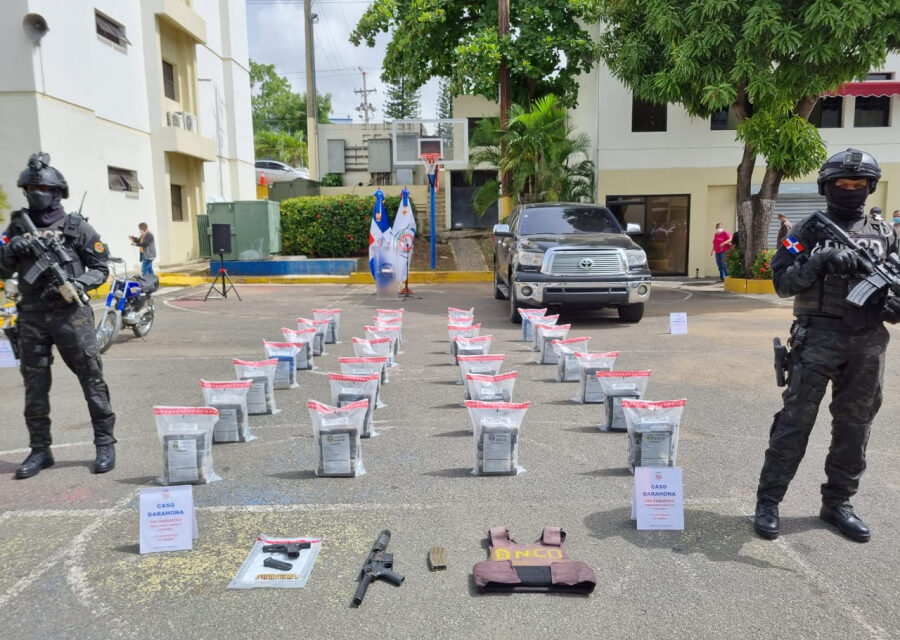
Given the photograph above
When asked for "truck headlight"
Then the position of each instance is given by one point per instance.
(529, 258)
(635, 257)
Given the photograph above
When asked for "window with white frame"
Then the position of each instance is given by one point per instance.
(110, 29)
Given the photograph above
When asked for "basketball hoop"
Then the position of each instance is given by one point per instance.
(431, 161)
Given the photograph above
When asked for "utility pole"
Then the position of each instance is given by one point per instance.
(312, 101)
(503, 31)
(365, 107)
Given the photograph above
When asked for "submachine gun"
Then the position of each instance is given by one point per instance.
(52, 257)
(878, 275)
(378, 566)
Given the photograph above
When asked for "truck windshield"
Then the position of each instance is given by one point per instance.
(568, 219)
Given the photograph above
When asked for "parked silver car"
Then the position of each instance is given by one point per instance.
(278, 172)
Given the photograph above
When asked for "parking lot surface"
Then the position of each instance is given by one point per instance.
(69, 561)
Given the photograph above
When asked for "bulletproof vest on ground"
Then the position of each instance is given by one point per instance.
(541, 566)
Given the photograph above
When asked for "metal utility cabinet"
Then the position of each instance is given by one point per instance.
(255, 227)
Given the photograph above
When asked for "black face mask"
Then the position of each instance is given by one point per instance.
(847, 203)
(40, 199)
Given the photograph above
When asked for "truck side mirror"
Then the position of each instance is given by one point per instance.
(502, 231)
(633, 229)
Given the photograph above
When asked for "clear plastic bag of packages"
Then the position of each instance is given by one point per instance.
(321, 327)
(332, 336)
(619, 386)
(495, 436)
(536, 325)
(461, 321)
(528, 317)
(453, 312)
(485, 388)
(566, 362)
(229, 398)
(461, 331)
(347, 389)
(337, 431)
(186, 434)
(317, 339)
(488, 364)
(308, 337)
(364, 366)
(546, 353)
(652, 432)
(373, 348)
(390, 323)
(254, 573)
(286, 370)
(389, 313)
(392, 333)
(261, 373)
(589, 389)
(477, 346)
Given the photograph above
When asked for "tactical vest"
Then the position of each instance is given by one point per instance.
(542, 566)
(71, 229)
(827, 297)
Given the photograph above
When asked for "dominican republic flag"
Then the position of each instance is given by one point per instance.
(381, 243)
(792, 244)
(404, 235)
(4, 239)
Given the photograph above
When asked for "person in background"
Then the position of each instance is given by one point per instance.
(147, 243)
(897, 219)
(784, 230)
(720, 246)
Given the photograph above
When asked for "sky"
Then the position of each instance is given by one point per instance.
(276, 33)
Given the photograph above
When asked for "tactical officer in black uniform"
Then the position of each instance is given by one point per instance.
(832, 340)
(47, 318)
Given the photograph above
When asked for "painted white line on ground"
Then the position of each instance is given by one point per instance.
(64, 445)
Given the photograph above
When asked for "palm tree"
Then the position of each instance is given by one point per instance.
(546, 160)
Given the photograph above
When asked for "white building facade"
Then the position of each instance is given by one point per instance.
(675, 175)
(143, 105)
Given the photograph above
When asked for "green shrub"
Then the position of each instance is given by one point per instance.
(760, 269)
(331, 226)
(734, 263)
(331, 180)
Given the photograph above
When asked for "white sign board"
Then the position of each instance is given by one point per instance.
(677, 323)
(167, 519)
(658, 501)
(7, 359)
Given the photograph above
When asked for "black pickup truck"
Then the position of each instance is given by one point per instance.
(569, 254)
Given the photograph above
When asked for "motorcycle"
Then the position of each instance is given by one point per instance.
(129, 304)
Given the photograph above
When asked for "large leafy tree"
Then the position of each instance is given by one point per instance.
(279, 115)
(769, 61)
(546, 50)
(545, 157)
(402, 101)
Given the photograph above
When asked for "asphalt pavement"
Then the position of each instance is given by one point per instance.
(69, 561)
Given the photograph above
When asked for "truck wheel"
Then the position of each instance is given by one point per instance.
(631, 312)
(514, 316)
(498, 293)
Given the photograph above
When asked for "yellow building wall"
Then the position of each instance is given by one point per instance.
(179, 50)
(188, 173)
(712, 195)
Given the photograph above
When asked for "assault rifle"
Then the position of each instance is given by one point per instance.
(878, 275)
(51, 259)
(377, 566)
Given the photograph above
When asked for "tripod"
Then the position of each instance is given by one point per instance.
(224, 275)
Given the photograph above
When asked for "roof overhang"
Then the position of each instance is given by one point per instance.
(868, 89)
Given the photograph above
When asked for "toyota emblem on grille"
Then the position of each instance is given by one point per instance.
(586, 263)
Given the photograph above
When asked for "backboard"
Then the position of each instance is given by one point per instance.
(412, 138)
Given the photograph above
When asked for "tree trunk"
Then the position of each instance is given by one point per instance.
(755, 213)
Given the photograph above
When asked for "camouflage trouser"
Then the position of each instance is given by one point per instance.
(72, 331)
(855, 366)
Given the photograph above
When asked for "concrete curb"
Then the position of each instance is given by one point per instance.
(415, 277)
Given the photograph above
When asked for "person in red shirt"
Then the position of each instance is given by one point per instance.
(721, 244)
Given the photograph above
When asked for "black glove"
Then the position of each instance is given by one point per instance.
(21, 247)
(891, 311)
(843, 262)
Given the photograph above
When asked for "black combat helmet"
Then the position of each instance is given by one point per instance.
(40, 173)
(851, 163)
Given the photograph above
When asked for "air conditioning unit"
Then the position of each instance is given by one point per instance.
(190, 121)
(174, 119)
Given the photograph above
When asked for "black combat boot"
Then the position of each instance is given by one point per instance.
(847, 522)
(766, 520)
(39, 458)
(106, 458)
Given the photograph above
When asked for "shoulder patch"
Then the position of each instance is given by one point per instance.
(98, 247)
